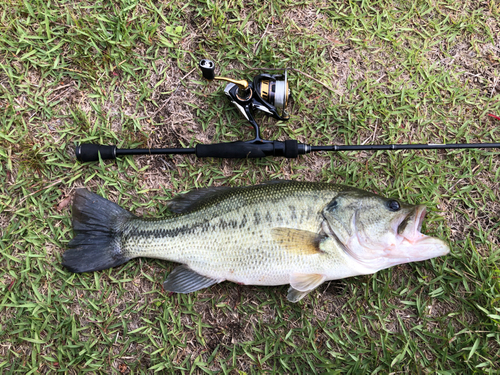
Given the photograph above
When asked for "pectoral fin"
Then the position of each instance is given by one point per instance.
(184, 280)
(303, 283)
(300, 242)
(306, 281)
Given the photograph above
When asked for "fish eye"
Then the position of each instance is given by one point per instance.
(393, 205)
(332, 205)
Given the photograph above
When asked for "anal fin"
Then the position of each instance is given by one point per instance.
(184, 280)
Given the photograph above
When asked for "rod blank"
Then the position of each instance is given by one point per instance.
(429, 146)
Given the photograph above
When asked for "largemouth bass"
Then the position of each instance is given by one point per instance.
(281, 232)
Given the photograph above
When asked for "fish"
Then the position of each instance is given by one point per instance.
(275, 233)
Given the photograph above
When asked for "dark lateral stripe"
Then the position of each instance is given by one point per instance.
(168, 232)
(244, 221)
(256, 218)
(187, 229)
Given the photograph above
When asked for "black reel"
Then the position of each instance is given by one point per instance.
(267, 93)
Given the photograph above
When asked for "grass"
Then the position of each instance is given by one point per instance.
(399, 72)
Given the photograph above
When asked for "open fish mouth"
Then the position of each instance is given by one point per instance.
(410, 226)
(415, 246)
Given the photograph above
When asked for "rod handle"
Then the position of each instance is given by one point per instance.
(230, 150)
(243, 150)
(90, 152)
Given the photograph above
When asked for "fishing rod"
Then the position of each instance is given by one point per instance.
(270, 95)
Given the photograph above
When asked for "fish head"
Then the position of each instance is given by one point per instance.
(380, 232)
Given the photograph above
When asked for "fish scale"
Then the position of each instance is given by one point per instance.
(281, 232)
(223, 239)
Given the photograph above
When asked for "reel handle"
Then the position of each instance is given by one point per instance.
(207, 69)
(90, 152)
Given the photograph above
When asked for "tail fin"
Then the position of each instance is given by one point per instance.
(98, 225)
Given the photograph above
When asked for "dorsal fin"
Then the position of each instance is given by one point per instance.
(297, 241)
(189, 201)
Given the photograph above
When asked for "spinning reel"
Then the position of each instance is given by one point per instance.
(269, 94)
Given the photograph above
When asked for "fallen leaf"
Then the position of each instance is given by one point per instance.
(122, 367)
(63, 203)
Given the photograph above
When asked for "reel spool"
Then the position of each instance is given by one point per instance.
(274, 91)
(267, 93)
